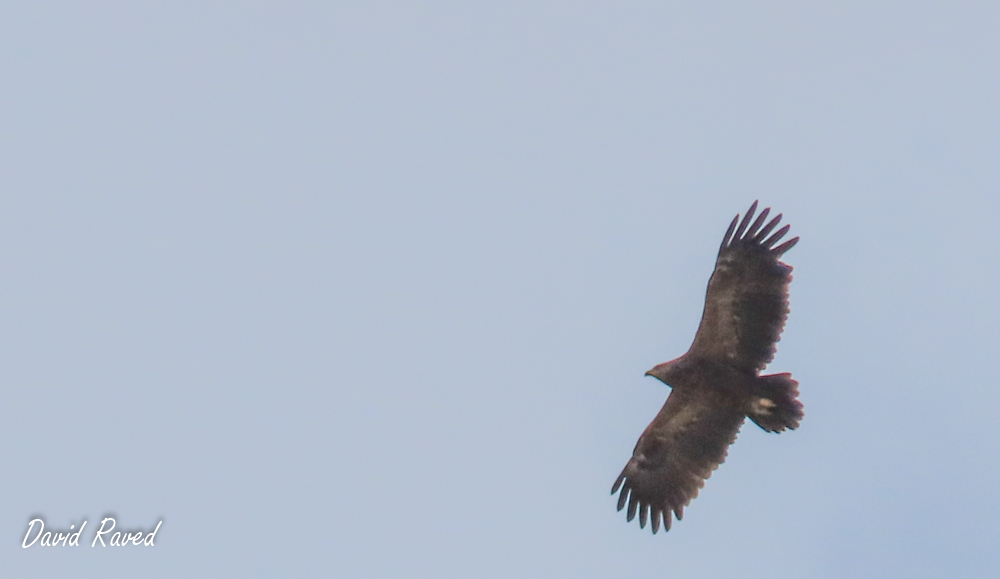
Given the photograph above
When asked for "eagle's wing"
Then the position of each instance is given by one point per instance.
(679, 450)
(747, 300)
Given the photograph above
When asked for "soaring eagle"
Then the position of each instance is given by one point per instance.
(717, 383)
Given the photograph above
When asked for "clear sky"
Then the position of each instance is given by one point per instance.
(370, 292)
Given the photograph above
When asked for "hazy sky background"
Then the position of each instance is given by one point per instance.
(370, 291)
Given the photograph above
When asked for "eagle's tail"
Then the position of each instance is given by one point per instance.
(775, 405)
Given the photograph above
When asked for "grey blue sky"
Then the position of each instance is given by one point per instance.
(369, 289)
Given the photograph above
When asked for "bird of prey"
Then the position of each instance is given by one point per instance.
(717, 383)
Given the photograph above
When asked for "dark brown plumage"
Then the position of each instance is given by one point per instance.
(717, 383)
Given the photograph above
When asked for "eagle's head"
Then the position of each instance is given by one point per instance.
(666, 372)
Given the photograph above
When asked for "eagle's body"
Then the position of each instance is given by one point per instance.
(717, 383)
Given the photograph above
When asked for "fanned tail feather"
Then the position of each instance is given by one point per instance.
(775, 405)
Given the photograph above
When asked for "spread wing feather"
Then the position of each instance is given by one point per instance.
(747, 300)
(686, 441)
